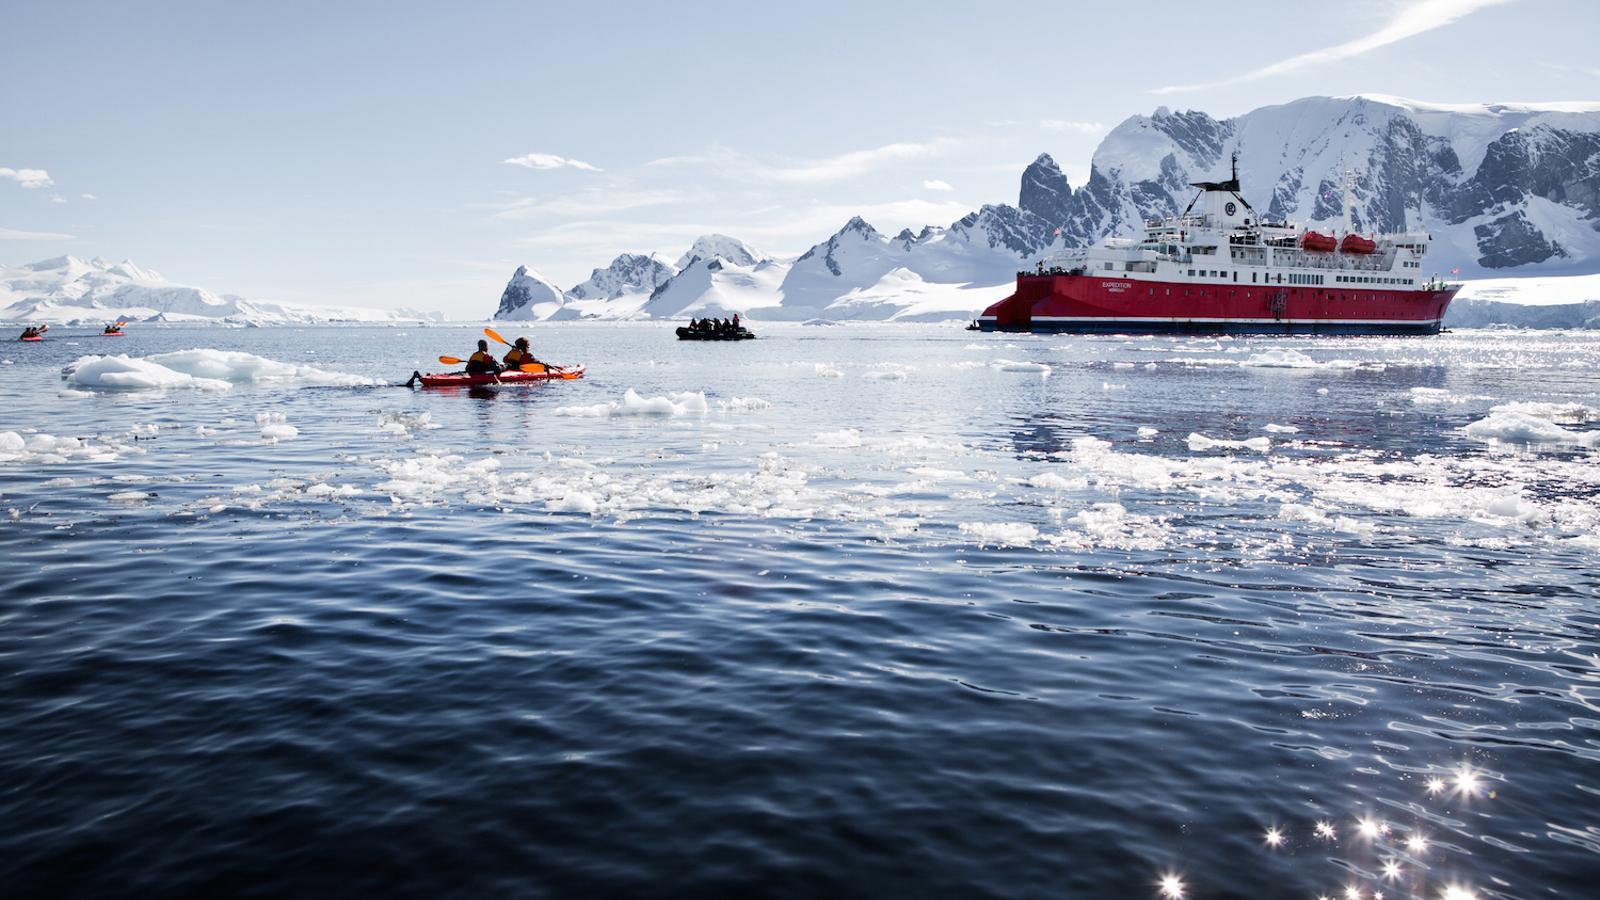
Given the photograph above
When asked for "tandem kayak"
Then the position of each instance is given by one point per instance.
(113, 334)
(461, 379)
(31, 339)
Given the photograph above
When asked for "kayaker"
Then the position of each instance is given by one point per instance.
(482, 362)
(112, 329)
(735, 322)
(520, 355)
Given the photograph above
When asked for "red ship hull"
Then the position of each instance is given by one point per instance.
(1087, 304)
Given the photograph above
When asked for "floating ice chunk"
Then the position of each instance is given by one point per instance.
(1280, 359)
(743, 404)
(1523, 423)
(1147, 431)
(824, 370)
(677, 403)
(70, 394)
(574, 502)
(274, 427)
(1011, 365)
(892, 375)
(129, 497)
(403, 424)
(1322, 390)
(1199, 442)
(1280, 429)
(1050, 481)
(842, 439)
(11, 442)
(238, 367)
(1001, 534)
(127, 373)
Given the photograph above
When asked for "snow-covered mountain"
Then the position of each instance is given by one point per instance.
(70, 291)
(531, 296)
(1505, 189)
(618, 290)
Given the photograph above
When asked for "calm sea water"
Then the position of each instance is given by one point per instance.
(891, 611)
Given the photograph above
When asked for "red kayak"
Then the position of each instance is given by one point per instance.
(31, 339)
(113, 334)
(461, 379)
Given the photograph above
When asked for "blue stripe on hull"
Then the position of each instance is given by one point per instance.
(1171, 327)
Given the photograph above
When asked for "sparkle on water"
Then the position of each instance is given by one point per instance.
(1385, 581)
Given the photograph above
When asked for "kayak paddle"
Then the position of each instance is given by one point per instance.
(496, 335)
(531, 368)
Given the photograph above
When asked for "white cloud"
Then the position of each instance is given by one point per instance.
(90, 197)
(1414, 19)
(1065, 125)
(595, 202)
(934, 184)
(549, 161)
(28, 178)
(12, 234)
(821, 170)
(57, 198)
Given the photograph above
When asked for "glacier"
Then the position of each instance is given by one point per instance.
(66, 290)
(1510, 193)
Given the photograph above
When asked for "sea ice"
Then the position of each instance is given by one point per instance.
(676, 403)
(1199, 442)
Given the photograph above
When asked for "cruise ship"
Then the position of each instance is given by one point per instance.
(1221, 268)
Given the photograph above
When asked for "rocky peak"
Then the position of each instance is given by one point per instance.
(1045, 191)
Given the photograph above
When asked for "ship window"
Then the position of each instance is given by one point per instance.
(1191, 273)
(1152, 292)
(1108, 267)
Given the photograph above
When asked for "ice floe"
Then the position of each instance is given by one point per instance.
(675, 403)
(200, 369)
(1011, 365)
(275, 427)
(1536, 423)
(1199, 442)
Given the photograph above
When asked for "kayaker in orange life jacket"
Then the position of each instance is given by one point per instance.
(482, 362)
(520, 355)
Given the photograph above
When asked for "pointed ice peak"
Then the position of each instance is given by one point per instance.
(1161, 112)
(56, 262)
(860, 226)
(1046, 160)
(905, 235)
(720, 246)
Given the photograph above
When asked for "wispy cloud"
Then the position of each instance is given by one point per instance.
(28, 178)
(12, 234)
(89, 197)
(934, 184)
(1066, 125)
(1413, 19)
(595, 202)
(544, 161)
(57, 198)
(821, 170)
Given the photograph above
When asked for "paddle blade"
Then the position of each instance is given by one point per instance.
(496, 335)
(450, 360)
(533, 368)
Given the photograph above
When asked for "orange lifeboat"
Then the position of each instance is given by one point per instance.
(1322, 243)
(1355, 243)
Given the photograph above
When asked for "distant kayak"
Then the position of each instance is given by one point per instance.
(31, 339)
(113, 334)
(694, 334)
(461, 379)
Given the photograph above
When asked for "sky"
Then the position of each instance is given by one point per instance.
(413, 155)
